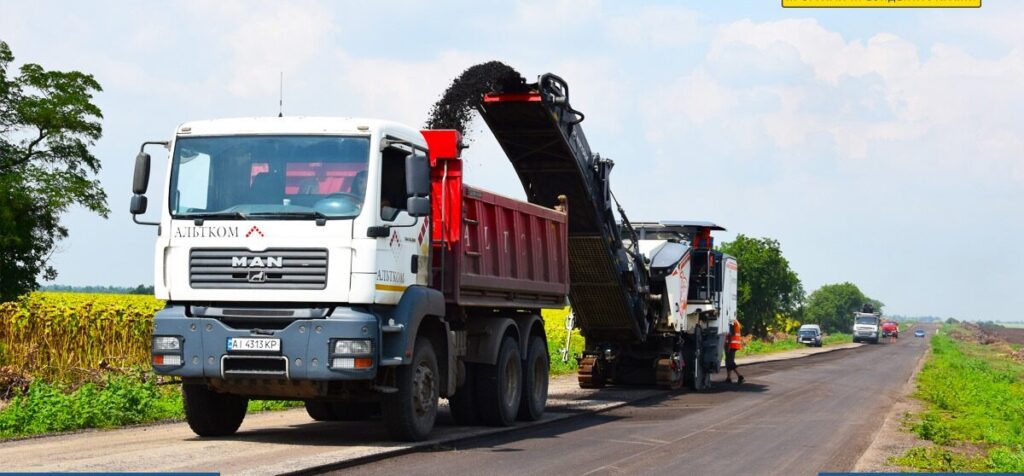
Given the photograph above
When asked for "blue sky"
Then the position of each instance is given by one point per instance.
(881, 147)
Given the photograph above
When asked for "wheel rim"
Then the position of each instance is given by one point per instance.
(423, 401)
(511, 382)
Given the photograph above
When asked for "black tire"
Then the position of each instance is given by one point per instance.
(355, 411)
(499, 386)
(689, 356)
(463, 404)
(341, 411)
(320, 411)
(695, 376)
(535, 381)
(210, 413)
(818, 344)
(409, 413)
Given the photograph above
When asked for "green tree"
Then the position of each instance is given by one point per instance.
(47, 125)
(832, 306)
(768, 287)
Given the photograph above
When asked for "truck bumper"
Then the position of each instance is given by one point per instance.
(304, 352)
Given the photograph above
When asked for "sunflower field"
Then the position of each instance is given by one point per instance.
(66, 337)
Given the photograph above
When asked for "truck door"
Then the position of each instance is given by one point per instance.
(402, 256)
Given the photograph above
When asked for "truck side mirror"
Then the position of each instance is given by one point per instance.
(418, 206)
(141, 182)
(417, 185)
(417, 175)
(139, 204)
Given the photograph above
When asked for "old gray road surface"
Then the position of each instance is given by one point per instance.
(800, 416)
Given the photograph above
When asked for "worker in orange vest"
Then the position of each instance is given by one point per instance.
(733, 342)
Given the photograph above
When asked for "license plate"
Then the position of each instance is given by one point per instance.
(253, 344)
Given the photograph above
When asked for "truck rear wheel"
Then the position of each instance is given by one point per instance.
(463, 404)
(210, 413)
(409, 413)
(535, 381)
(499, 386)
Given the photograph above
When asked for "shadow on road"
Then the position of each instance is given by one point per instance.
(372, 432)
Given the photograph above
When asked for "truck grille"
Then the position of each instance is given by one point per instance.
(270, 269)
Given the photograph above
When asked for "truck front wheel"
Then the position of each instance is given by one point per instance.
(535, 381)
(210, 413)
(409, 413)
(499, 386)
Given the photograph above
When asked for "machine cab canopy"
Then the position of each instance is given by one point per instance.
(674, 230)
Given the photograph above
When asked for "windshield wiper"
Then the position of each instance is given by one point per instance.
(213, 216)
(294, 213)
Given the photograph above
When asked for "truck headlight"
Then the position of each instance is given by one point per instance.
(351, 347)
(166, 344)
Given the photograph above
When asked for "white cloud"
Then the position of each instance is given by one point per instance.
(656, 26)
(866, 95)
(696, 96)
(263, 39)
(396, 89)
(552, 15)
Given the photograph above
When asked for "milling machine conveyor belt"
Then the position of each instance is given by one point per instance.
(541, 135)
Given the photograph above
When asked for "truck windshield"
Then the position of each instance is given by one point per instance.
(269, 177)
(870, 321)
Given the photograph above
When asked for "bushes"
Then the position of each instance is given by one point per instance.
(554, 327)
(120, 400)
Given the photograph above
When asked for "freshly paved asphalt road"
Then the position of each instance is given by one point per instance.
(802, 416)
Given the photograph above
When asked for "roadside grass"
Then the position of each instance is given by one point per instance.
(975, 413)
(118, 400)
(757, 347)
(906, 326)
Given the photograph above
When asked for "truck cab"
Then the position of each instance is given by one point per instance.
(866, 327)
(296, 257)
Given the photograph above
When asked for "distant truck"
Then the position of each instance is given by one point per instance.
(890, 328)
(866, 327)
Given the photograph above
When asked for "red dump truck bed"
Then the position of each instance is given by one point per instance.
(490, 250)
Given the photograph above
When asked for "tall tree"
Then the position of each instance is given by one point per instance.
(768, 288)
(48, 122)
(832, 306)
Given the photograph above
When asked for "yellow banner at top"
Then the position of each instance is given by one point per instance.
(881, 3)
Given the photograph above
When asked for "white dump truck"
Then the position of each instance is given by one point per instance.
(343, 262)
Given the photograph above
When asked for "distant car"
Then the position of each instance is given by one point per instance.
(919, 333)
(809, 334)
